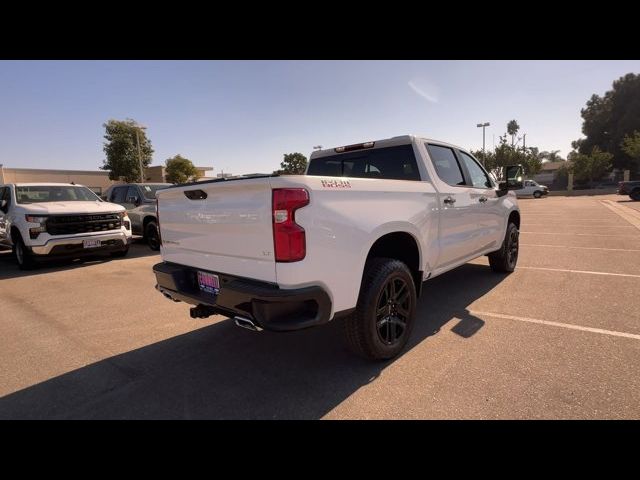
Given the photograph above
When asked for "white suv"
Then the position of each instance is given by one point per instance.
(46, 220)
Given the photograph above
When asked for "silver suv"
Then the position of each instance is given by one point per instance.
(140, 201)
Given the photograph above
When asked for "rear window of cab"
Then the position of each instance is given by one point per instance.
(391, 163)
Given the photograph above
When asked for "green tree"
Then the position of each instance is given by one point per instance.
(512, 129)
(121, 149)
(293, 164)
(180, 170)
(551, 156)
(561, 177)
(607, 119)
(590, 167)
(631, 146)
(505, 154)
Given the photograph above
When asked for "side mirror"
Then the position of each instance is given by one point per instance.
(3, 205)
(103, 198)
(513, 175)
(135, 200)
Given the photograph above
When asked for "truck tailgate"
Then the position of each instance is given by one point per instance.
(229, 231)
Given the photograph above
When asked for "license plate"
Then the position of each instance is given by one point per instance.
(208, 282)
(91, 243)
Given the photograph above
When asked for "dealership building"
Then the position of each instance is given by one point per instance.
(96, 180)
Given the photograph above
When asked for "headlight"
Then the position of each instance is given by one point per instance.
(36, 219)
(41, 220)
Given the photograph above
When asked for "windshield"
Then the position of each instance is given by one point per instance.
(149, 191)
(54, 193)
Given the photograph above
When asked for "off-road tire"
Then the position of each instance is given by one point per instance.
(505, 259)
(364, 330)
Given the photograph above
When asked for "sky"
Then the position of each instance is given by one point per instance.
(242, 116)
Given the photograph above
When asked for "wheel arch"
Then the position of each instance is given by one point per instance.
(514, 217)
(400, 245)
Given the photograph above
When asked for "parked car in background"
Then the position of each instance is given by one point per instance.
(531, 188)
(140, 201)
(59, 220)
(630, 188)
(355, 238)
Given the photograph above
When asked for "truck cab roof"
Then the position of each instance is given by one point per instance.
(385, 142)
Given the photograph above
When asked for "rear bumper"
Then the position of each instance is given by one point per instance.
(271, 307)
(73, 246)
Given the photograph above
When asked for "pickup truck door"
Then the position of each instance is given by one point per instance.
(485, 203)
(457, 208)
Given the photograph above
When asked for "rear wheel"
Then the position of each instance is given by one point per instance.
(23, 256)
(382, 322)
(537, 194)
(505, 259)
(635, 194)
(152, 236)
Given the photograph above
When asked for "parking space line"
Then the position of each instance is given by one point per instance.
(578, 225)
(565, 215)
(630, 215)
(581, 248)
(582, 271)
(578, 234)
(558, 324)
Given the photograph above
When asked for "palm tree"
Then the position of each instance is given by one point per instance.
(512, 129)
(552, 156)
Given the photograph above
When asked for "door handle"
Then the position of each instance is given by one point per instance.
(483, 199)
(449, 200)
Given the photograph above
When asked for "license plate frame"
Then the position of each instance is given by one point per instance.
(208, 282)
(91, 243)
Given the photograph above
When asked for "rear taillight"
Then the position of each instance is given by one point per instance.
(289, 240)
(158, 221)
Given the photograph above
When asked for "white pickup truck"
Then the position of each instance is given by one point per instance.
(60, 220)
(355, 237)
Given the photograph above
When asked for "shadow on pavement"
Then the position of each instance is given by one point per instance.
(221, 371)
(9, 268)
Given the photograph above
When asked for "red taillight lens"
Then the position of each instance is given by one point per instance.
(289, 240)
(158, 221)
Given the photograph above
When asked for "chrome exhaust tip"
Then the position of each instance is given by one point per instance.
(246, 323)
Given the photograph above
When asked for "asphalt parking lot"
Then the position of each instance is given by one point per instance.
(559, 338)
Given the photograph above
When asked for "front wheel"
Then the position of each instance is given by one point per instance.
(382, 322)
(635, 195)
(22, 255)
(505, 259)
(152, 236)
(537, 194)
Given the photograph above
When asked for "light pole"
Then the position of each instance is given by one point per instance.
(483, 125)
(138, 128)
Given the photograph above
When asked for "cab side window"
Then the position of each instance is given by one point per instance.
(479, 179)
(446, 164)
(119, 195)
(5, 194)
(131, 194)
